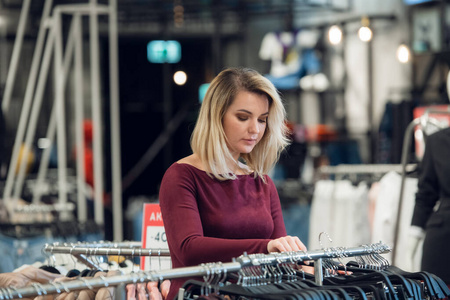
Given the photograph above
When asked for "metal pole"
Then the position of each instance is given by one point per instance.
(116, 160)
(60, 108)
(372, 130)
(29, 90)
(36, 106)
(15, 55)
(96, 115)
(79, 115)
(52, 122)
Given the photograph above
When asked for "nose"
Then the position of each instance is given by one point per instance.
(254, 127)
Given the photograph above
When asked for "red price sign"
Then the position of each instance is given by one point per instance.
(154, 237)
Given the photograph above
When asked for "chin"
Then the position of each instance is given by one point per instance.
(247, 150)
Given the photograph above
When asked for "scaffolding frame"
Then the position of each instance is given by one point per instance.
(50, 34)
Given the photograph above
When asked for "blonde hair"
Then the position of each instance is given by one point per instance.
(208, 139)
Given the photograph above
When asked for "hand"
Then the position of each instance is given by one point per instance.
(286, 244)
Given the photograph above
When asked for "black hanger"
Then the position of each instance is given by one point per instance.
(50, 269)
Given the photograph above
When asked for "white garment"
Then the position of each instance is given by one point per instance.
(340, 209)
(321, 206)
(385, 216)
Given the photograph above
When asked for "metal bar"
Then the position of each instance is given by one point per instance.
(200, 270)
(60, 78)
(52, 123)
(15, 56)
(43, 166)
(116, 165)
(128, 244)
(34, 208)
(28, 93)
(318, 272)
(36, 106)
(84, 9)
(87, 262)
(135, 277)
(134, 251)
(36, 100)
(79, 115)
(364, 168)
(96, 115)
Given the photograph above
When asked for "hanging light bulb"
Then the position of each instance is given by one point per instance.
(335, 35)
(364, 32)
(403, 54)
(180, 77)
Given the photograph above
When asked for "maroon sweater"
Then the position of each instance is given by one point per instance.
(207, 220)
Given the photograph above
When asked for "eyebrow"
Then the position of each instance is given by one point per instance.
(250, 113)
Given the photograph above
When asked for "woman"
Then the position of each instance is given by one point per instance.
(433, 188)
(219, 202)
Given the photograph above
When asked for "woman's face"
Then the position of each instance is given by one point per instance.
(245, 121)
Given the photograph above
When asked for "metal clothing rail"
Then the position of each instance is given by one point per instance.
(102, 244)
(364, 168)
(217, 268)
(92, 251)
(38, 208)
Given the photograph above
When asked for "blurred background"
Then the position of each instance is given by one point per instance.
(109, 91)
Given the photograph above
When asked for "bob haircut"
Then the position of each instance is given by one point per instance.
(208, 139)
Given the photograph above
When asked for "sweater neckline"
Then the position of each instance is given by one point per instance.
(206, 173)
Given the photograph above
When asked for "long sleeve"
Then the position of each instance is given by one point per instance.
(207, 220)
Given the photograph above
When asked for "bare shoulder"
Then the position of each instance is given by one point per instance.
(192, 160)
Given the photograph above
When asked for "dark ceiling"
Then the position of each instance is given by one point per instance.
(130, 11)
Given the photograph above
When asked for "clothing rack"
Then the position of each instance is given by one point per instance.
(84, 251)
(201, 270)
(41, 208)
(130, 251)
(364, 169)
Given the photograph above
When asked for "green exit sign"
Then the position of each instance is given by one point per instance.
(163, 52)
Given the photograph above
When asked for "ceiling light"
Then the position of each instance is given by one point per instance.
(335, 35)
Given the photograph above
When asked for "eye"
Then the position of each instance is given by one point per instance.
(262, 120)
(242, 118)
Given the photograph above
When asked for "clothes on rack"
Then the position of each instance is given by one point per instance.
(340, 209)
(68, 262)
(26, 276)
(266, 276)
(385, 215)
(21, 243)
(348, 209)
(290, 283)
(209, 270)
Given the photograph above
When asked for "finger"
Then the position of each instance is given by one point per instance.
(343, 272)
(281, 244)
(300, 245)
(292, 243)
(308, 269)
(165, 287)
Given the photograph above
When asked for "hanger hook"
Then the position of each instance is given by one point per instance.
(73, 258)
(159, 258)
(140, 258)
(17, 291)
(320, 239)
